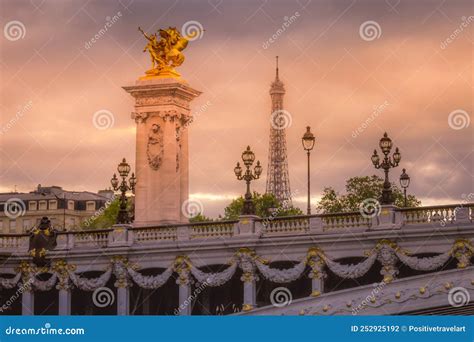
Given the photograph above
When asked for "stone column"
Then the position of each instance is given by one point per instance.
(64, 302)
(123, 284)
(123, 300)
(182, 267)
(249, 277)
(26, 289)
(27, 301)
(162, 114)
(64, 286)
(250, 292)
(317, 273)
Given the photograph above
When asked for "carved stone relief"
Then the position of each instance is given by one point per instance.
(155, 147)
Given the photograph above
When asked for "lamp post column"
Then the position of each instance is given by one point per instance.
(308, 141)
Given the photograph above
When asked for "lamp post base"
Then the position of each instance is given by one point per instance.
(249, 207)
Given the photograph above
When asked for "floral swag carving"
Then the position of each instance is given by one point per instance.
(247, 260)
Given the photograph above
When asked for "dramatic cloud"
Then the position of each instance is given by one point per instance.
(346, 77)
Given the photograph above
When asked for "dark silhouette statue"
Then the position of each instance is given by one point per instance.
(42, 239)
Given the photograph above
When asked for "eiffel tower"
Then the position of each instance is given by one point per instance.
(278, 180)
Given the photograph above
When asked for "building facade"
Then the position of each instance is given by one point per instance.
(67, 210)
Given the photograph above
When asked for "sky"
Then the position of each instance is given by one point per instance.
(352, 70)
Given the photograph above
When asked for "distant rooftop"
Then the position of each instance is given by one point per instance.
(57, 192)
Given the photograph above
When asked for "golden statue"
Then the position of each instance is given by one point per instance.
(166, 52)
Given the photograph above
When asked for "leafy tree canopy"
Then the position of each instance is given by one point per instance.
(106, 216)
(359, 189)
(266, 205)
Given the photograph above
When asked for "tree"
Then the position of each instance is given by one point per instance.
(265, 205)
(359, 189)
(200, 218)
(106, 216)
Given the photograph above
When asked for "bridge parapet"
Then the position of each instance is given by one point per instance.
(389, 218)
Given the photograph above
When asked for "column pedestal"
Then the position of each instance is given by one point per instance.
(317, 286)
(250, 295)
(162, 114)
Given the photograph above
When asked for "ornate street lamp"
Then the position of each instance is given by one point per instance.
(123, 170)
(404, 183)
(308, 144)
(248, 158)
(387, 163)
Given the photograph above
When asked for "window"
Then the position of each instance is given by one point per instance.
(90, 206)
(53, 205)
(42, 205)
(12, 226)
(70, 205)
(26, 225)
(33, 205)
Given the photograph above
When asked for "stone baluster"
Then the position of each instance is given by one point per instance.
(184, 281)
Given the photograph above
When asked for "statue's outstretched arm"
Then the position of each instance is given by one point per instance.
(143, 32)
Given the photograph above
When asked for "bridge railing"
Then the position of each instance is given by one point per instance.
(440, 214)
(128, 235)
